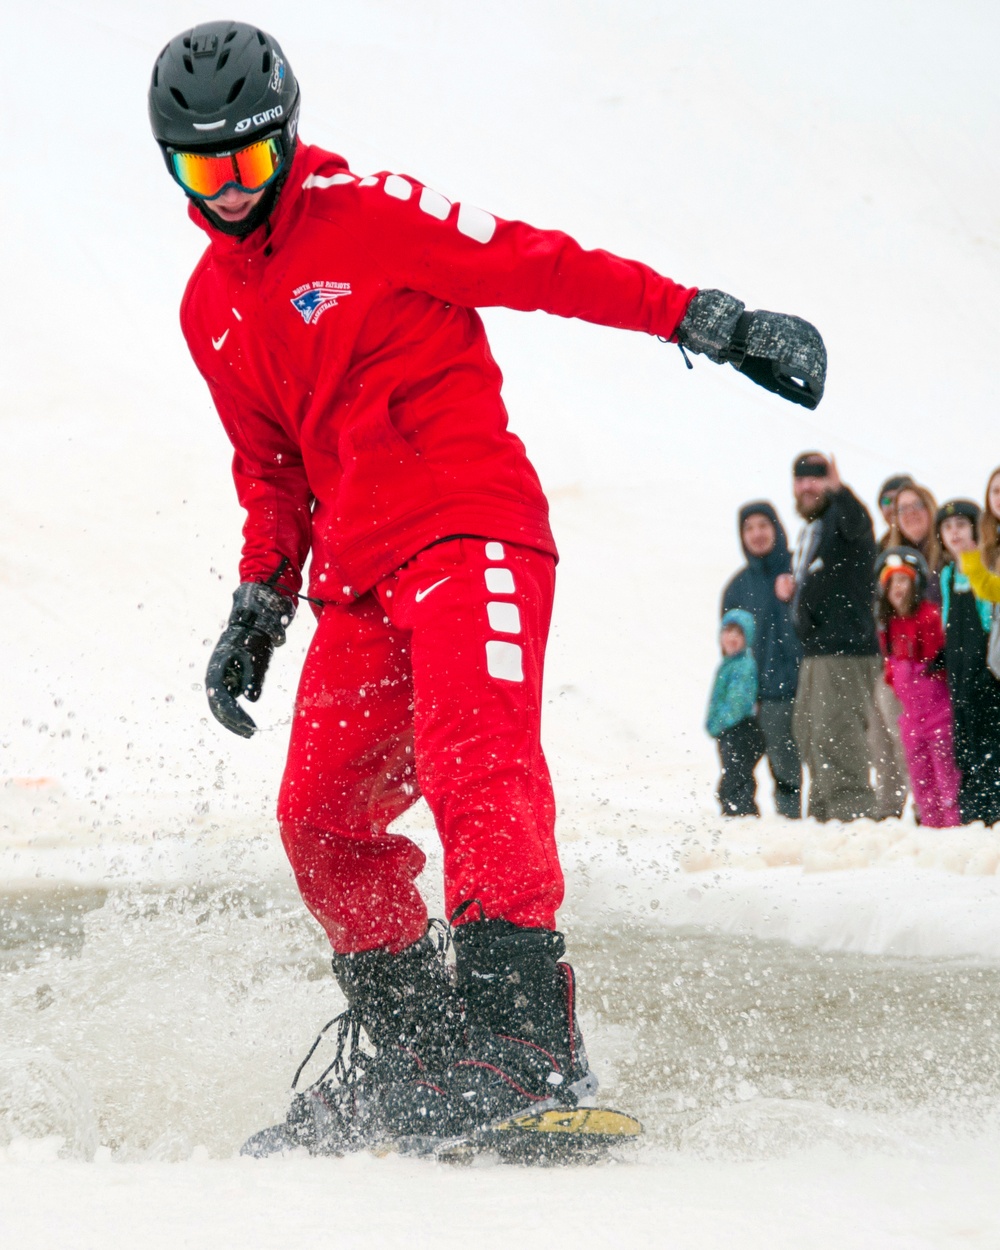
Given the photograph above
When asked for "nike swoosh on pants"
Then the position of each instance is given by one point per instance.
(422, 594)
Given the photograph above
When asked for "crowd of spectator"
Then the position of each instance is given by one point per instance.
(872, 666)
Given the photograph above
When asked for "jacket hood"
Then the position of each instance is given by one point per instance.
(778, 559)
(743, 620)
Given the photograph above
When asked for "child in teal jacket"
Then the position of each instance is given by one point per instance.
(732, 716)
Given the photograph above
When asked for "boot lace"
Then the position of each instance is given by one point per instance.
(350, 1059)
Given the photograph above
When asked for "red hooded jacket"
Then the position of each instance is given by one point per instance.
(354, 378)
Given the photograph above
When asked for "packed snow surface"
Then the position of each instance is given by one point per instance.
(806, 1018)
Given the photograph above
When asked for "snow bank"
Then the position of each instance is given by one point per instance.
(886, 888)
(898, 910)
(973, 850)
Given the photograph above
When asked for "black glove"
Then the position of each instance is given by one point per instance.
(938, 664)
(241, 656)
(781, 353)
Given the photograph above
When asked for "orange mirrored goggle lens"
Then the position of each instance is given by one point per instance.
(249, 169)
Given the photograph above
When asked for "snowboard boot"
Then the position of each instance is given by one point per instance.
(407, 1008)
(524, 1050)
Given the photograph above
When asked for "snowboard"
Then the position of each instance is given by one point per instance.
(557, 1136)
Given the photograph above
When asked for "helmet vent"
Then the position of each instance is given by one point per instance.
(156, 75)
(178, 97)
(260, 39)
(235, 90)
(187, 65)
(186, 41)
(266, 63)
(230, 37)
(222, 60)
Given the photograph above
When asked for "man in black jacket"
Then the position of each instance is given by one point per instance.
(834, 571)
(776, 648)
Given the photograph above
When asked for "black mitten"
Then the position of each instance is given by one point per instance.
(937, 665)
(783, 354)
(241, 656)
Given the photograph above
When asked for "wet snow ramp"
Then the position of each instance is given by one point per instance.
(154, 1023)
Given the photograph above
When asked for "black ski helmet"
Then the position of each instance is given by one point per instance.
(903, 560)
(220, 85)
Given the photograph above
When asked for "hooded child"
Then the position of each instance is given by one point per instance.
(732, 717)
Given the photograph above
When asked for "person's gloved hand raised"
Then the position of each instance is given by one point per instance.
(782, 353)
(237, 665)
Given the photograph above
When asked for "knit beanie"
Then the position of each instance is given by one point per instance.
(959, 507)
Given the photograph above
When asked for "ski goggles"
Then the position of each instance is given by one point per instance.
(249, 169)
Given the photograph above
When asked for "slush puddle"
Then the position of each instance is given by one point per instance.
(154, 1022)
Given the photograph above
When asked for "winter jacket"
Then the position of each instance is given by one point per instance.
(734, 692)
(353, 377)
(918, 637)
(776, 648)
(835, 581)
(975, 699)
(985, 584)
(957, 582)
(910, 644)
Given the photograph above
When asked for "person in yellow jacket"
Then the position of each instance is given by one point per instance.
(985, 585)
(980, 563)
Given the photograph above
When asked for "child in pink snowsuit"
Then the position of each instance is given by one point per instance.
(912, 639)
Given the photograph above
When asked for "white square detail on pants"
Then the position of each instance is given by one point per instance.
(503, 660)
(500, 581)
(494, 551)
(504, 617)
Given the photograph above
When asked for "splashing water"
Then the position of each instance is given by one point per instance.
(153, 1022)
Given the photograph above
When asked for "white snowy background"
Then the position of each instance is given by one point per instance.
(838, 161)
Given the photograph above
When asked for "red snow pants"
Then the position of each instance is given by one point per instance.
(429, 684)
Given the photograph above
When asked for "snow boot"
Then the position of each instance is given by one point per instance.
(407, 1008)
(523, 1049)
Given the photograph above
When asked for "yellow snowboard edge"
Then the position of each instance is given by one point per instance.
(582, 1121)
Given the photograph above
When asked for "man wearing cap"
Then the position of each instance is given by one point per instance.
(834, 572)
(776, 648)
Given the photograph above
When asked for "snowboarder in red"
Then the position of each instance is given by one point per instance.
(333, 319)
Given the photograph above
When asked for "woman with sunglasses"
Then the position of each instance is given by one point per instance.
(888, 491)
(333, 318)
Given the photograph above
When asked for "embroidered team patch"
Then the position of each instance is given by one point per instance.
(314, 298)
